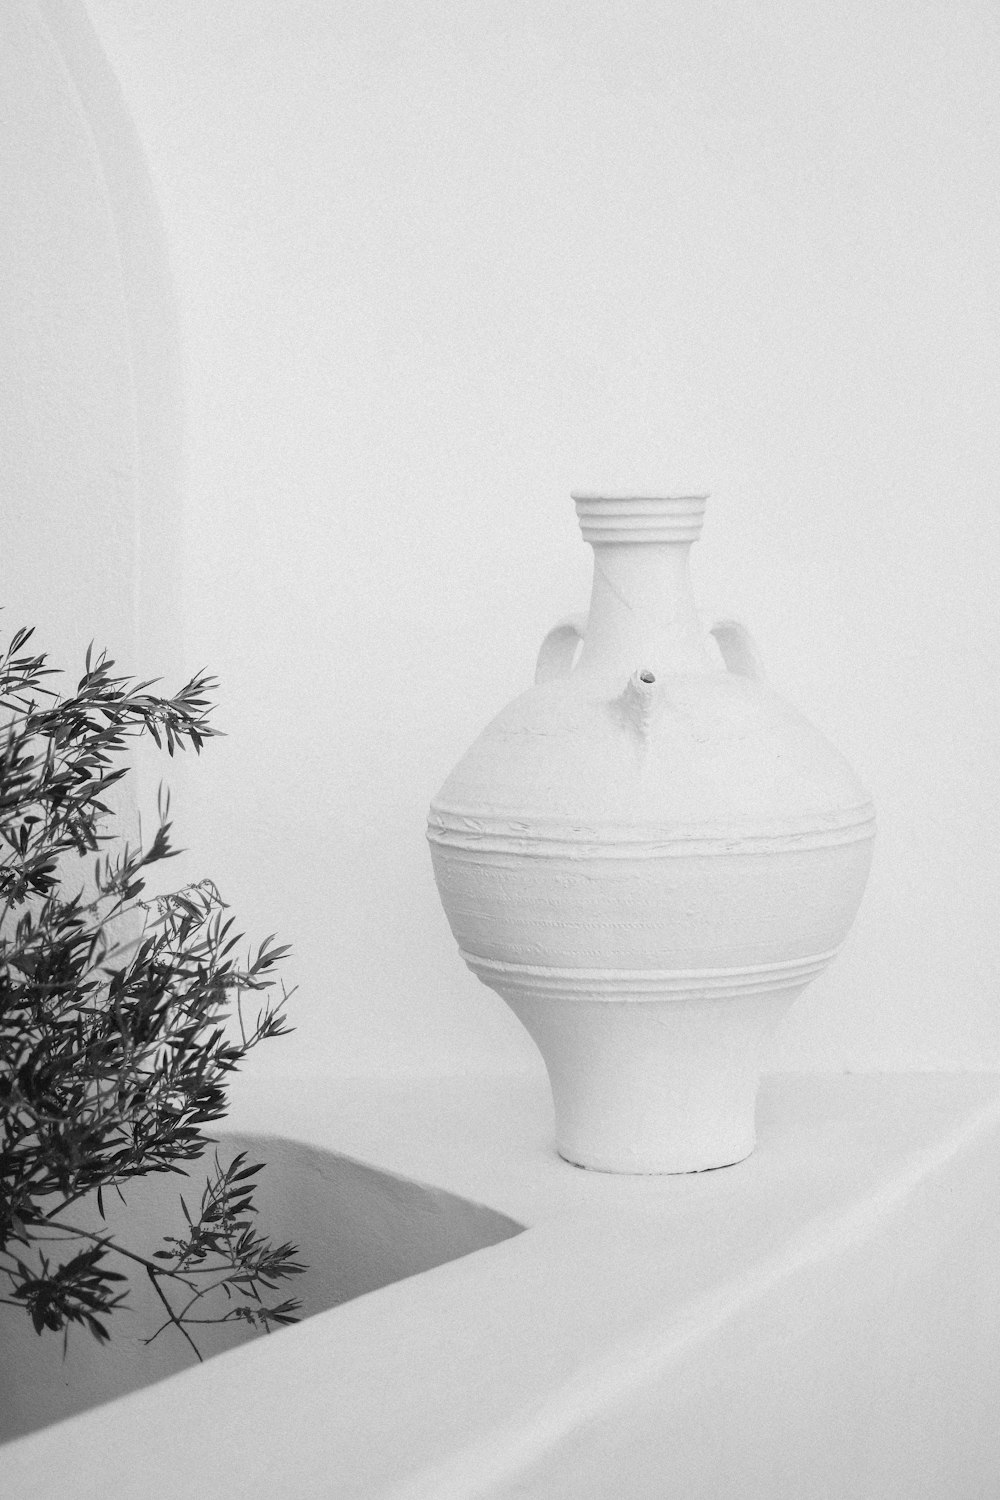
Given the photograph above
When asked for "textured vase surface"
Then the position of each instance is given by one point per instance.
(649, 855)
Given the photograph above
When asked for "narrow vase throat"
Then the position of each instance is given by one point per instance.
(642, 611)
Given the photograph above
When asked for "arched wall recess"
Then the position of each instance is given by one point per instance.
(90, 401)
(90, 391)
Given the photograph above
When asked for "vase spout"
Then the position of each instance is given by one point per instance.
(641, 702)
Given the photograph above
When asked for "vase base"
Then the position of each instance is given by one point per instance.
(653, 1087)
(617, 1168)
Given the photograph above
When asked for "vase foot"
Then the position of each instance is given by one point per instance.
(653, 1086)
(598, 1166)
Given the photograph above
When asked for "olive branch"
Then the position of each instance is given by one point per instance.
(121, 1019)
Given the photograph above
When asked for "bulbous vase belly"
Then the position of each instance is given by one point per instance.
(648, 856)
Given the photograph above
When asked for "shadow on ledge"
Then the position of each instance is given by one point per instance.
(356, 1228)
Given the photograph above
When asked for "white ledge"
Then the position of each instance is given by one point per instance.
(818, 1321)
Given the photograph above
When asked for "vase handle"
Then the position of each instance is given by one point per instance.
(738, 649)
(555, 657)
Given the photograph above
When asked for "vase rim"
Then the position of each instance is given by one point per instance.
(658, 497)
(639, 518)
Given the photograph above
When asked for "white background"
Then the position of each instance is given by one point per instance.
(305, 404)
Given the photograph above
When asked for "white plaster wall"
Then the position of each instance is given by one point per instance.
(89, 385)
(68, 434)
(436, 264)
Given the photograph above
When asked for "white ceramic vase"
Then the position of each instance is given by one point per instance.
(649, 855)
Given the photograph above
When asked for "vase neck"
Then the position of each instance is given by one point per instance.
(642, 609)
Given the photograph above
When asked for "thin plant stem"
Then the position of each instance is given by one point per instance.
(171, 1317)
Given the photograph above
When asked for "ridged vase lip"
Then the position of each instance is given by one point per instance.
(655, 497)
(623, 515)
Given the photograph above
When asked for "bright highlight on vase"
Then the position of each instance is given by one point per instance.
(649, 855)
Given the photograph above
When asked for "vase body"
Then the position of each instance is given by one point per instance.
(649, 855)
